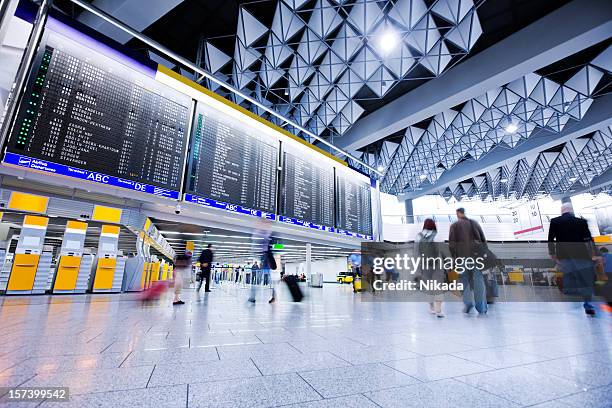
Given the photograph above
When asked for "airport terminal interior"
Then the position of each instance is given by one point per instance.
(306, 203)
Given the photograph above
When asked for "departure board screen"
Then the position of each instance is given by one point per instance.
(307, 190)
(86, 106)
(231, 163)
(353, 203)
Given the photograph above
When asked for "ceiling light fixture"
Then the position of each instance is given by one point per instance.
(380, 168)
(511, 128)
(388, 41)
(573, 178)
(503, 180)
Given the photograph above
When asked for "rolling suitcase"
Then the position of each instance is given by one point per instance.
(357, 285)
(294, 288)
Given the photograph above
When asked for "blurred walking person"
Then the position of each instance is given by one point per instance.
(426, 248)
(571, 246)
(182, 271)
(261, 243)
(466, 240)
(206, 259)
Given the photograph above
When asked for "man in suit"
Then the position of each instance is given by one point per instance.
(570, 245)
(206, 259)
(467, 240)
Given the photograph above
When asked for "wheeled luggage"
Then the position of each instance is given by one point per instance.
(294, 288)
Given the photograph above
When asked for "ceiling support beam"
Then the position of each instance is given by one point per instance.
(138, 14)
(597, 117)
(570, 29)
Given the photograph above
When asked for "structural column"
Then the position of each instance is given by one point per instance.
(308, 260)
(409, 211)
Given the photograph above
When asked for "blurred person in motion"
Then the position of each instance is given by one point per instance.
(426, 248)
(355, 261)
(466, 240)
(206, 259)
(268, 264)
(182, 271)
(261, 244)
(571, 246)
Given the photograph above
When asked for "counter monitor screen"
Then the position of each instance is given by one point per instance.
(353, 203)
(230, 162)
(89, 107)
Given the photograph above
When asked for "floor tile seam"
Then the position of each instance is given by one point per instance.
(549, 358)
(125, 359)
(256, 366)
(14, 365)
(336, 355)
(477, 362)
(107, 347)
(295, 348)
(150, 376)
(486, 391)
(17, 385)
(310, 385)
(301, 402)
(187, 397)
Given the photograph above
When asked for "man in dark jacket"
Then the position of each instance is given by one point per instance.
(466, 240)
(206, 259)
(570, 245)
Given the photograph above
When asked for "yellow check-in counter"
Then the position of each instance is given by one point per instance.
(105, 274)
(23, 272)
(155, 267)
(164, 276)
(67, 273)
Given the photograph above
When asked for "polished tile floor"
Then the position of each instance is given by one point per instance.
(331, 350)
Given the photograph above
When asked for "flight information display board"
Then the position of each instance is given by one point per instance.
(231, 166)
(92, 113)
(307, 192)
(353, 204)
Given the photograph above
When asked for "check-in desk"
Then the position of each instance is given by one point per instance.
(134, 275)
(155, 270)
(164, 271)
(31, 266)
(74, 267)
(110, 265)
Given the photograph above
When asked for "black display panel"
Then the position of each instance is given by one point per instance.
(89, 107)
(307, 191)
(230, 162)
(353, 203)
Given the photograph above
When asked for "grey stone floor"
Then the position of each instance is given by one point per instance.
(331, 350)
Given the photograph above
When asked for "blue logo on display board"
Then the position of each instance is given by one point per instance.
(209, 202)
(354, 234)
(307, 224)
(50, 167)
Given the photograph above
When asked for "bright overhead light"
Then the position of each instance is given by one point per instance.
(380, 168)
(504, 180)
(573, 178)
(388, 41)
(423, 176)
(511, 128)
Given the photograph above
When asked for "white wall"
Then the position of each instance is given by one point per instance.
(585, 205)
(393, 211)
(328, 267)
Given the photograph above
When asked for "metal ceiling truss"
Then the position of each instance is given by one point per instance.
(557, 171)
(316, 60)
(501, 118)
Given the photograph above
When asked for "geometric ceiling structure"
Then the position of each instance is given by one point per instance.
(315, 61)
(555, 171)
(503, 117)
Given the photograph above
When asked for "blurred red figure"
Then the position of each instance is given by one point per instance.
(155, 291)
